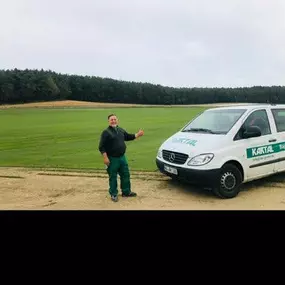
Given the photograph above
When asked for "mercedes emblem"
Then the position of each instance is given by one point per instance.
(172, 157)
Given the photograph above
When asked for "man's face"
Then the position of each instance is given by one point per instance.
(113, 121)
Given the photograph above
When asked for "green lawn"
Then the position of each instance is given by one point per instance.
(69, 138)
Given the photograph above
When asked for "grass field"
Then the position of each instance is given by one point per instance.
(69, 138)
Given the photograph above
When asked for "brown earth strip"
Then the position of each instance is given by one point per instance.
(78, 104)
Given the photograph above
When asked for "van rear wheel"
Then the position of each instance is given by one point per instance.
(229, 182)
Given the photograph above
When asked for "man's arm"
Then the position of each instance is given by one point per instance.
(131, 137)
(102, 143)
(102, 147)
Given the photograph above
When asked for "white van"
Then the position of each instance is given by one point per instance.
(224, 147)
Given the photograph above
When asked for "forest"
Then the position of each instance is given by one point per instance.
(24, 86)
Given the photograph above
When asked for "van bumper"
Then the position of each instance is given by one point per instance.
(198, 177)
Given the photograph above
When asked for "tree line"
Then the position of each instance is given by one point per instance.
(23, 86)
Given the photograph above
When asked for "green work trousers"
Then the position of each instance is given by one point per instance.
(119, 165)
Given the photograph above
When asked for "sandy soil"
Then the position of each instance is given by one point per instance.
(22, 188)
(76, 104)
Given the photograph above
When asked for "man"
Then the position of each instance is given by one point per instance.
(112, 146)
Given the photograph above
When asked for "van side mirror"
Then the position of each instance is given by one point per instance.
(251, 132)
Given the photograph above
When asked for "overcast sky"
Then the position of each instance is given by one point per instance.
(181, 43)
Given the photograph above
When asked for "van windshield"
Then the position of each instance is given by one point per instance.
(215, 121)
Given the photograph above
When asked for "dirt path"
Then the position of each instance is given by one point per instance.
(54, 190)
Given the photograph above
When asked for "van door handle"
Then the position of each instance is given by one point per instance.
(273, 140)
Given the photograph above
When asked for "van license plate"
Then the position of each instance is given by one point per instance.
(170, 169)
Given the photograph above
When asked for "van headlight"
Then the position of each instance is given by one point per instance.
(201, 159)
(159, 153)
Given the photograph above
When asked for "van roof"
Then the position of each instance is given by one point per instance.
(249, 106)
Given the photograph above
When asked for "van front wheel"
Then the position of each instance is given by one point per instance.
(229, 182)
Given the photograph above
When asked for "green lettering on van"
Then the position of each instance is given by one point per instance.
(184, 141)
(265, 150)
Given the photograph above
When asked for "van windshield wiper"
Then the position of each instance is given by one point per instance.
(200, 130)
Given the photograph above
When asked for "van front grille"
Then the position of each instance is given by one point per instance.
(174, 157)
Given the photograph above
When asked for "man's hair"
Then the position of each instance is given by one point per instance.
(111, 116)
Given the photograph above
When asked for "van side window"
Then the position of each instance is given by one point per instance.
(257, 118)
(279, 118)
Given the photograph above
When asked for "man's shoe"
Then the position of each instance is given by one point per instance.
(131, 194)
(114, 198)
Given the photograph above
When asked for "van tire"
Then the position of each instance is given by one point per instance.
(229, 182)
